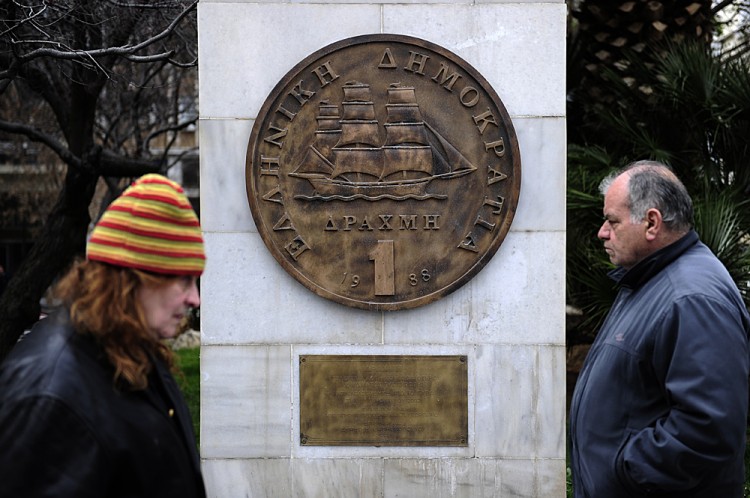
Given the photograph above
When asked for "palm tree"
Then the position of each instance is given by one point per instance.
(635, 96)
(690, 109)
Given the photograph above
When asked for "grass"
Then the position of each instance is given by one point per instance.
(188, 361)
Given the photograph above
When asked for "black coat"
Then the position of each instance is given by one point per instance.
(66, 431)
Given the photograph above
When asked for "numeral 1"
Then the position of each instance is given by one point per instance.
(384, 268)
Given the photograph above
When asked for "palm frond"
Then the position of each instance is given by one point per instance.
(722, 220)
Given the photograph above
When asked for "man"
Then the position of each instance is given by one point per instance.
(88, 406)
(660, 406)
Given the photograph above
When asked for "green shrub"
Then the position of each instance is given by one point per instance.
(189, 380)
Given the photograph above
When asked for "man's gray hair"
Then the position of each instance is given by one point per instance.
(654, 185)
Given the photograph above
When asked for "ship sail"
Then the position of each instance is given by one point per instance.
(318, 160)
(347, 157)
(358, 150)
(406, 147)
(329, 129)
(450, 163)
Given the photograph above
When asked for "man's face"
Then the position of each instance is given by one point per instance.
(624, 241)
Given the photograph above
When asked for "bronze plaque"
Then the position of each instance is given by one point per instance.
(383, 172)
(383, 400)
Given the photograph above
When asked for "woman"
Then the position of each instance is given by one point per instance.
(88, 406)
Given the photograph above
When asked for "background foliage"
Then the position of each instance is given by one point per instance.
(663, 80)
(188, 364)
(101, 89)
(678, 98)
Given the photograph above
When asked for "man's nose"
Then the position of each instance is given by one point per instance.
(603, 231)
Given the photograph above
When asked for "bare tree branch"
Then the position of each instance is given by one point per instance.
(37, 135)
(111, 164)
(94, 83)
(119, 166)
(68, 53)
(181, 155)
(166, 129)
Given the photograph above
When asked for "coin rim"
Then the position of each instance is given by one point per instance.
(481, 261)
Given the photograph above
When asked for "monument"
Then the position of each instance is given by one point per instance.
(382, 197)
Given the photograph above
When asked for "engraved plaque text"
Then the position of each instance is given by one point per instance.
(383, 400)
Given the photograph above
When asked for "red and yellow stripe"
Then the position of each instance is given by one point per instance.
(151, 227)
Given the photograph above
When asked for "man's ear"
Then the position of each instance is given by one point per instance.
(654, 223)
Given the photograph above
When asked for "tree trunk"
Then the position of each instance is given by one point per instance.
(62, 239)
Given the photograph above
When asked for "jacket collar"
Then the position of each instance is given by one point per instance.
(653, 264)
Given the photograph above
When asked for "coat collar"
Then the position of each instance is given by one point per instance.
(653, 264)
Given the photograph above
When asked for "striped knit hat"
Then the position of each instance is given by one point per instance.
(151, 227)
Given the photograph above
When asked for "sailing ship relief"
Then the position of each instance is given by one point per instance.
(347, 159)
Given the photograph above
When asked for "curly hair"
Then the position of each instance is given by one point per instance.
(103, 304)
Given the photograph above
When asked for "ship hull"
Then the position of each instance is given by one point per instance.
(327, 186)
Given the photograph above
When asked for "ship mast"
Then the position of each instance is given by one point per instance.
(358, 150)
(407, 147)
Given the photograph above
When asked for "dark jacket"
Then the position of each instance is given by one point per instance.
(66, 431)
(660, 406)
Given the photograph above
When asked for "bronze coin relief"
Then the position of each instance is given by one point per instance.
(383, 172)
